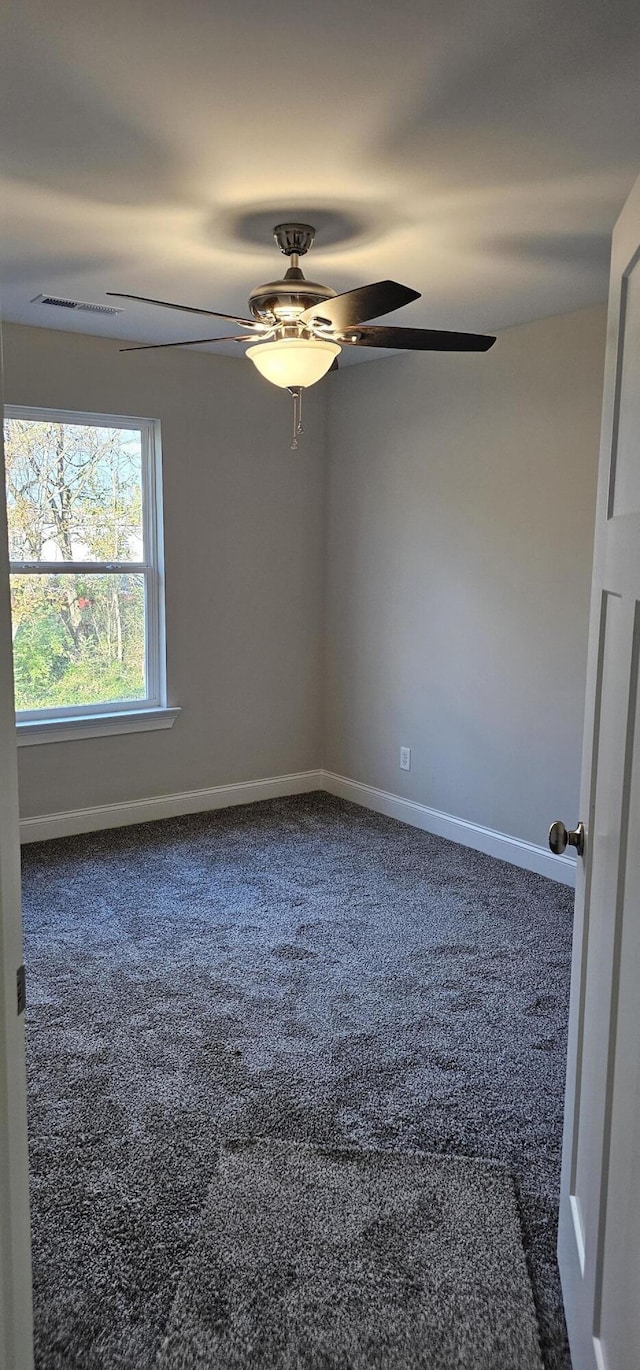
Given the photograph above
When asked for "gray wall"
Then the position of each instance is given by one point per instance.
(460, 524)
(458, 519)
(244, 554)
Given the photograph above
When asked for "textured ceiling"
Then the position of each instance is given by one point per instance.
(477, 151)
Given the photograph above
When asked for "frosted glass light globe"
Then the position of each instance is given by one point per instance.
(294, 361)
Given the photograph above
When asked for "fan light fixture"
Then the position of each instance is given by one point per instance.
(299, 327)
(289, 362)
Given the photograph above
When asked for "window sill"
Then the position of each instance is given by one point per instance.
(32, 731)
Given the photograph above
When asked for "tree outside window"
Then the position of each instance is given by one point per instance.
(84, 576)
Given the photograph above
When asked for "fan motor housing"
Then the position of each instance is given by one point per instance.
(287, 299)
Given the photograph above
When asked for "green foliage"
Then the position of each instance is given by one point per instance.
(39, 659)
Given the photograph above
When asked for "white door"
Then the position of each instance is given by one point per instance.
(599, 1242)
(15, 1255)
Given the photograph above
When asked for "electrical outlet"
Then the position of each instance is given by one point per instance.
(405, 758)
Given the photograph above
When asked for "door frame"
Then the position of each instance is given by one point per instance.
(16, 1308)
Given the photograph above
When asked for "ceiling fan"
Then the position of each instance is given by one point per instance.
(299, 327)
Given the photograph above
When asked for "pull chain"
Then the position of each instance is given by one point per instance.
(296, 392)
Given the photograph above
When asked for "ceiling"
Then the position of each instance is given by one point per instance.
(477, 150)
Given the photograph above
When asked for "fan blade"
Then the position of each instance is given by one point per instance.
(186, 309)
(367, 302)
(418, 339)
(190, 342)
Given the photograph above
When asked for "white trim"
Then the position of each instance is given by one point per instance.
(512, 849)
(166, 806)
(32, 731)
(526, 855)
(78, 416)
(578, 1230)
(155, 663)
(598, 1351)
(16, 1312)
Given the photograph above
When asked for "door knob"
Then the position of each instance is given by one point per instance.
(559, 838)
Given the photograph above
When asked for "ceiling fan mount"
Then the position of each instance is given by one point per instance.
(282, 302)
(294, 239)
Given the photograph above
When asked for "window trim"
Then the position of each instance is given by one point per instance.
(29, 732)
(88, 720)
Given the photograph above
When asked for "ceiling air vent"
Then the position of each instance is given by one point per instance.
(59, 302)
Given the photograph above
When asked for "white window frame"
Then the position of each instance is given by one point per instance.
(133, 715)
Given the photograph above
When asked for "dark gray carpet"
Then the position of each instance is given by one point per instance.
(309, 1259)
(301, 969)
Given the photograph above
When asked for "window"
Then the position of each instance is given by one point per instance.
(83, 507)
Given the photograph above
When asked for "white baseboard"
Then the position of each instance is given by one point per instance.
(524, 854)
(166, 806)
(512, 849)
